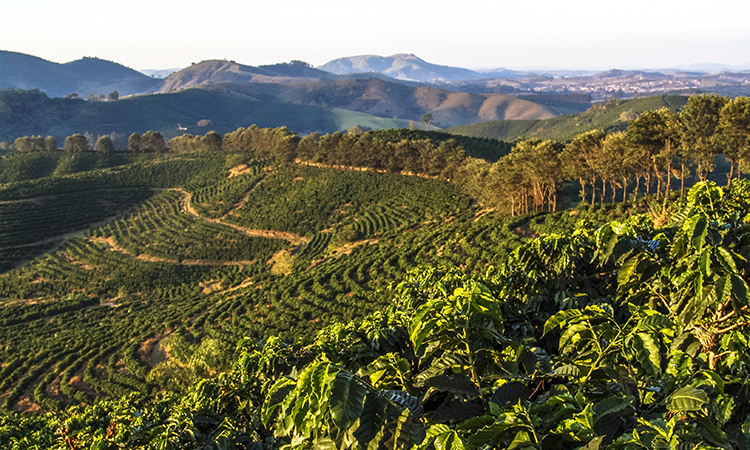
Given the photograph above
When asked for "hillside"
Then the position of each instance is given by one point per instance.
(24, 113)
(123, 267)
(608, 116)
(85, 76)
(222, 71)
(391, 100)
(288, 303)
(322, 106)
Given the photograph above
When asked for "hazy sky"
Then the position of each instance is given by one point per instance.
(592, 34)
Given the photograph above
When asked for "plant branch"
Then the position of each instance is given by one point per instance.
(730, 328)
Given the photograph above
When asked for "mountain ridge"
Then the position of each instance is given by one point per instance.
(409, 67)
(85, 76)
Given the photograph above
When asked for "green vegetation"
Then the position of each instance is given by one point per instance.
(92, 311)
(624, 337)
(126, 312)
(609, 116)
(307, 200)
(24, 113)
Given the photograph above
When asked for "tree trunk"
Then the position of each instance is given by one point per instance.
(637, 189)
(682, 181)
(731, 173)
(604, 190)
(658, 181)
(647, 176)
(593, 191)
(624, 188)
(583, 190)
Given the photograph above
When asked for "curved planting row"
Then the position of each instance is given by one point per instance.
(216, 200)
(159, 229)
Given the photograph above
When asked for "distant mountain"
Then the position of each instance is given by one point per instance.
(609, 116)
(159, 73)
(85, 76)
(405, 66)
(390, 99)
(222, 71)
(715, 67)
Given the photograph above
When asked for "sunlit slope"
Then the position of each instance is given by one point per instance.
(608, 116)
(177, 254)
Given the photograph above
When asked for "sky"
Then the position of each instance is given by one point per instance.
(585, 34)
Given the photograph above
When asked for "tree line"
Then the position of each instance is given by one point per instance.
(656, 149)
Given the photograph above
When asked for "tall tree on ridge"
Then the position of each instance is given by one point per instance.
(734, 132)
(699, 131)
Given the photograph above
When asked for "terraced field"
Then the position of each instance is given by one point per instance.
(164, 263)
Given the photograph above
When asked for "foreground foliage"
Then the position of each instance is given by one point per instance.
(627, 337)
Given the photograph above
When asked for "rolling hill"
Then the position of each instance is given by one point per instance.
(609, 116)
(85, 76)
(222, 71)
(391, 100)
(24, 113)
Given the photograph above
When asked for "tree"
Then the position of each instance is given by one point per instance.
(619, 162)
(734, 128)
(213, 141)
(104, 144)
(50, 144)
(656, 133)
(699, 132)
(426, 119)
(113, 96)
(538, 173)
(76, 143)
(582, 159)
(153, 141)
(135, 143)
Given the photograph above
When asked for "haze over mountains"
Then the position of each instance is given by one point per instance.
(366, 91)
(84, 76)
(410, 67)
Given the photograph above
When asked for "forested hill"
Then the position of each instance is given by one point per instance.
(610, 116)
(322, 107)
(24, 113)
(222, 71)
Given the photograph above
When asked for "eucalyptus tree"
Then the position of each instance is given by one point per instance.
(699, 131)
(540, 167)
(582, 159)
(619, 162)
(656, 134)
(734, 128)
